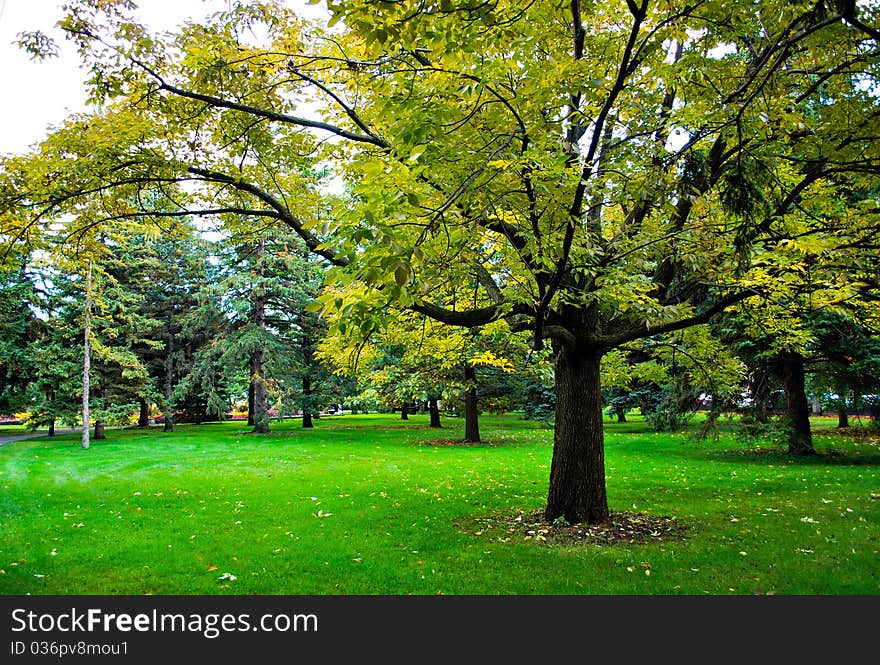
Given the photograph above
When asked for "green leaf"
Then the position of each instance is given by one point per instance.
(416, 153)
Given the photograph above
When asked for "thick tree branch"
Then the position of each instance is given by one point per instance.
(472, 318)
(284, 214)
(641, 331)
(848, 9)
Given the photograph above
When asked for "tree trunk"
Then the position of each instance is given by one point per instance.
(434, 410)
(261, 398)
(169, 376)
(842, 412)
(404, 411)
(797, 413)
(842, 415)
(471, 412)
(258, 372)
(621, 415)
(307, 400)
(144, 415)
(99, 429)
(51, 427)
(577, 472)
(250, 420)
(87, 358)
(759, 389)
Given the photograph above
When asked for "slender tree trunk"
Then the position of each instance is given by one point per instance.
(99, 429)
(250, 420)
(842, 415)
(144, 415)
(51, 427)
(842, 412)
(258, 372)
(797, 414)
(404, 411)
(577, 472)
(261, 399)
(434, 411)
(87, 359)
(307, 400)
(169, 388)
(760, 392)
(471, 412)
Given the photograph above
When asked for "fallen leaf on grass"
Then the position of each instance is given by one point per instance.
(228, 576)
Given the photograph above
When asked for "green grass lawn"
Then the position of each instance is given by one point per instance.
(358, 506)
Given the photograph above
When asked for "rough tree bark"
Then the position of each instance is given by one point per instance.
(471, 414)
(577, 471)
(307, 400)
(842, 412)
(404, 411)
(842, 416)
(144, 413)
(250, 420)
(434, 411)
(797, 412)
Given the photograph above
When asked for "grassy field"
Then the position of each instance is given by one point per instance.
(363, 505)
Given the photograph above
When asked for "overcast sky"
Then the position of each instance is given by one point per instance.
(37, 95)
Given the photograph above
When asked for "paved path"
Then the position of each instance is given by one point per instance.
(33, 435)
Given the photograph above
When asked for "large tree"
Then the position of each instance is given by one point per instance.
(602, 171)
(263, 284)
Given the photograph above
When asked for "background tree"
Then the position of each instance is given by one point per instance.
(406, 357)
(165, 266)
(20, 328)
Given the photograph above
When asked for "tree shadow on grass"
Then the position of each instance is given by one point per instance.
(827, 457)
(459, 443)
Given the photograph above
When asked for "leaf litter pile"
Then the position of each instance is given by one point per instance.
(621, 528)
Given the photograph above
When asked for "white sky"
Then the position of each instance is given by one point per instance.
(36, 95)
